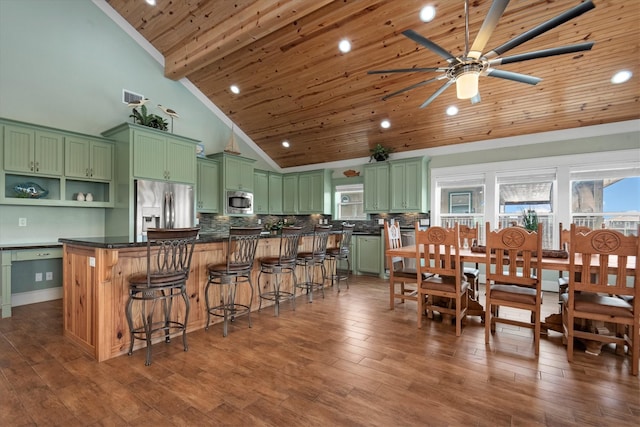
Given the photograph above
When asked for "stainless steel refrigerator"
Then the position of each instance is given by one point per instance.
(162, 205)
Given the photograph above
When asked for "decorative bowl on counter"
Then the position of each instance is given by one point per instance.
(30, 190)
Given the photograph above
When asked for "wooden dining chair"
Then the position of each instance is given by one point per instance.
(469, 237)
(438, 258)
(511, 278)
(402, 279)
(608, 296)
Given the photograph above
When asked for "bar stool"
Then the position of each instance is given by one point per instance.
(284, 263)
(241, 250)
(309, 260)
(169, 253)
(341, 253)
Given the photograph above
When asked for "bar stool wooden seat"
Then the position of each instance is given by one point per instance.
(241, 250)
(284, 263)
(169, 253)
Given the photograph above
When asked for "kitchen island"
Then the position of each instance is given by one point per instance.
(95, 287)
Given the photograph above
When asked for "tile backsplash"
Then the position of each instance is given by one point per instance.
(212, 223)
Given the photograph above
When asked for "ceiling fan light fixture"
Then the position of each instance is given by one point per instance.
(467, 84)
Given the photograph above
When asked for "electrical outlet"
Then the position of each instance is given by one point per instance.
(38, 277)
(22, 222)
(259, 221)
(49, 275)
(380, 221)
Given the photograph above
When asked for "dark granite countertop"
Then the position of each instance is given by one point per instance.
(19, 246)
(120, 242)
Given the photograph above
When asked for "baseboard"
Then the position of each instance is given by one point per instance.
(32, 297)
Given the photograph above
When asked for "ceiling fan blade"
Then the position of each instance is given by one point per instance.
(429, 45)
(489, 24)
(407, 70)
(516, 77)
(545, 26)
(438, 92)
(412, 87)
(542, 53)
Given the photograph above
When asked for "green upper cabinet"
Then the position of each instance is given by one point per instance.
(275, 193)
(208, 193)
(408, 179)
(163, 157)
(376, 187)
(88, 159)
(237, 172)
(260, 192)
(290, 193)
(267, 192)
(314, 192)
(33, 151)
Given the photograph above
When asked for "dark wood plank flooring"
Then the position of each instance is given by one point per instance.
(346, 360)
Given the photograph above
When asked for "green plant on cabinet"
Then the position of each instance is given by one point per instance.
(208, 192)
(376, 187)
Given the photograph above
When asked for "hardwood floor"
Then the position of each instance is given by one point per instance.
(346, 360)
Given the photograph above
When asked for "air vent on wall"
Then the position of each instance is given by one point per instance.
(128, 96)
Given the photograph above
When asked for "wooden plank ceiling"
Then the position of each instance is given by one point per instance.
(297, 86)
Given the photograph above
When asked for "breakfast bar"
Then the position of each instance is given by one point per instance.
(95, 287)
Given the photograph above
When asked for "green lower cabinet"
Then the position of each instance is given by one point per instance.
(369, 255)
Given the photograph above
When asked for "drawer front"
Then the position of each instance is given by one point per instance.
(31, 254)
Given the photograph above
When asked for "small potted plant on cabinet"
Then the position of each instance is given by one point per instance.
(380, 153)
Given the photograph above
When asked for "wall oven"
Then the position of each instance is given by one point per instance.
(239, 203)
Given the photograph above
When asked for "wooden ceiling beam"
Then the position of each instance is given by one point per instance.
(250, 24)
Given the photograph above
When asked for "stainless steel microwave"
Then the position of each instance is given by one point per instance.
(239, 202)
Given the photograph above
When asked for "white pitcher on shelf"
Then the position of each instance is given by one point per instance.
(89, 197)
(80, 197)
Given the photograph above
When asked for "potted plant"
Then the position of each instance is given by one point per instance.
(151, 120)
(530, 219)
(380, 153)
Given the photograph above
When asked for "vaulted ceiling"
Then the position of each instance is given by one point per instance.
(297, 86)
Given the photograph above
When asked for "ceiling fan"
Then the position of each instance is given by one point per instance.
(464, 70)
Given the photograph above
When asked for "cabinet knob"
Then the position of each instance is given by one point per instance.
(86, 172)
(37, 166)
(31, 166)
(91, 172)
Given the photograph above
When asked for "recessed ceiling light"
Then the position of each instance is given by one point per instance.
(151, 2)
(285, 144)
(385, 124)
(235, 89)
(621, 76)
(452, 111)
(344, 46)
(427, 13)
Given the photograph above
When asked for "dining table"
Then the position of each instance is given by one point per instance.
(555, 260)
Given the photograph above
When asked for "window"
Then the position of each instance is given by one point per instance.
(461, 200)
(350, 202)
(607, 198)
(520, 192)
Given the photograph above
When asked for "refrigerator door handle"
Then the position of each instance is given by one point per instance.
(172, 210)
(165, 210)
